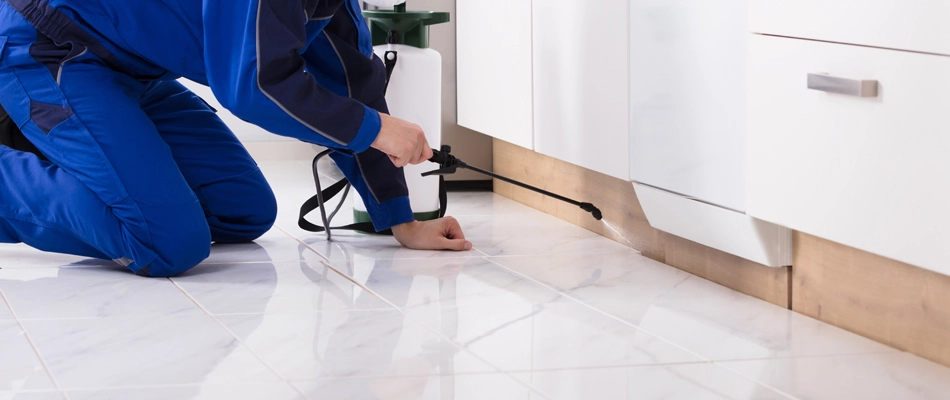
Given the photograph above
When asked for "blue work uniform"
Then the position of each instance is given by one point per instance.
(140, 169)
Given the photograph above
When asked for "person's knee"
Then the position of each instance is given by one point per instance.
(243, 210)
(258, 220)
(188, 255)
(265, 216)
(179, 245)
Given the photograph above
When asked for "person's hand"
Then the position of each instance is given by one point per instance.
(439, 234)
(404, 142)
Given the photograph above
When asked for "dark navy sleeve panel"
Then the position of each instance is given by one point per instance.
(362, 39)
(366, 73)
(254, 67)
(391, 213)
(372, 182)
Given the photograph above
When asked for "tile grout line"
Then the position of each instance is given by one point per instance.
(229, 331)
(573, 253)
(167, 386)
(298, 390)
(250, 262)
(611, 316)
(67, 266)
(165, 315)
(491, 260)
(807, 356)
(770, 387)
(326, 263)
(6, 303)
(516, 371)
(706, 359)
(36, 350)
(605, 252)
(458, 345)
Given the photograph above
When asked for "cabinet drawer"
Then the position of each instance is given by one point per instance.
(869, 172)
(918, 25)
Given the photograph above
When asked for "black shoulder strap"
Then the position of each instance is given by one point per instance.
(443, 197)
(320, 199)
(314, 203)
(392, 57)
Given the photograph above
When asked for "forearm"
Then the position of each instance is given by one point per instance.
(381, 185)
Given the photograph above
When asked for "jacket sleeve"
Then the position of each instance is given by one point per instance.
(255, 69)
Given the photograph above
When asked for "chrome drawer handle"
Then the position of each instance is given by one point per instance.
(850, 87)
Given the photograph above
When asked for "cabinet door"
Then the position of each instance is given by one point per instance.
(581, 83)
(494, 68)
(688, 71)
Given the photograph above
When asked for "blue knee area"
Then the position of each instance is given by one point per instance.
(181, 240)
(241, 209)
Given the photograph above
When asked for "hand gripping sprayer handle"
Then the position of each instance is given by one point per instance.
(449, 164)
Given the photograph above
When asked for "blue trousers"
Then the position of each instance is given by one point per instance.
(141, 171)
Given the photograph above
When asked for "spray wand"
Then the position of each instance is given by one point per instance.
(450, 164)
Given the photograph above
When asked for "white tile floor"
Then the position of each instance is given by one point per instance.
(540, 310)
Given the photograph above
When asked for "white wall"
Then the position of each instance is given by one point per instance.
(246, 132)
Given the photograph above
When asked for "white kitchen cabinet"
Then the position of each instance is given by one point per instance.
(869, 172)
(581, 83)
(688, 117)
(548, 75)
(495, 68)
(688, 83)
(653, 90)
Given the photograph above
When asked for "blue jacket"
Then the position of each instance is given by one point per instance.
(298, 68)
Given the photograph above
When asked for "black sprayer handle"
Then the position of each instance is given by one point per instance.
(444, 156)
(449, 164)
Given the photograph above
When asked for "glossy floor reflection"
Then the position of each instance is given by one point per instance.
(541, 309)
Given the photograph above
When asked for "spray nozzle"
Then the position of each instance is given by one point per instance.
(593, 210)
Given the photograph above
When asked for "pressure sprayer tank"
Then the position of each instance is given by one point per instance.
(414, 93)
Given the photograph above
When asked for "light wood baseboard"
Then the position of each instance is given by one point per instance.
(897, 304)
(625, 222)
